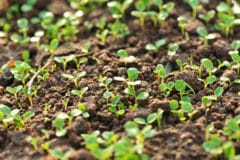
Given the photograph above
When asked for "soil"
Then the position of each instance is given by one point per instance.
(175, 141)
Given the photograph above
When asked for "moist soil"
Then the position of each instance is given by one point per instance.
(175, 141)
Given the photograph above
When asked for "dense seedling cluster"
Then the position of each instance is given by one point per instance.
(129, 79)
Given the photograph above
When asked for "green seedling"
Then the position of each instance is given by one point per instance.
(88, 25)
(194, 4)
(65, 103)
(164, 10)
(140, 12)
(46, 146)
(104, 81)
(213, 145)
(181, 108)
(232, 128)
(23, 29)
(183, 88)
(235, 54)
(208, 16)
(75, 78)
(207, 100)
(181, 65)
(156, 45)
(21, 71)
(14, 90)
(26, 56)
(29, 94)
(43, 76)
(80, 92)
(160, 71)
(81, 110)
(65, 60)
(118, 9)
(182, 22)
(86, 48)
(116, 106)
(118, 29)
(79, 61)
(204, 36)
(166, 88)
(51, 47)
(8, 116)
(102, 35)
(208, 65)
(37, 37)
(34, 141)
(6, 28)
(172, 49)
(226, 23)
(123, 54)
(28, 6)
(137, 96)
(61, 155)
(101, 24)
(59, 123)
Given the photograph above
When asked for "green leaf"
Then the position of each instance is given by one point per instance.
(235, 45)
(218, 91)
(173, 104)
(132, 73)
(139, 120)
(151, 118)
(131, 128)
(142, 95)
(5, 109)
(207, 63)
(186, 106)
(76, 112)
(122, 53)
(233, 125)
(202, 31)
(150, 47)
(22, 23)
(28, 115)
(53, 44)
(130, 91)
(180, 85)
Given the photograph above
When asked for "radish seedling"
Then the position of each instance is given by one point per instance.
(194, 4)
(235, 54)
(64, 60)
(182, 22)
(61, 155)
(161, 73)
(51, 47)
(118, 29)
(118, 9)
(204, 36)
(14, 90)
(166, 88)
(34, 142)
(156, 45)
(207, 100)
(80, 92)
(75, 78)
(172, 49)
(208, 16)
(59, 123)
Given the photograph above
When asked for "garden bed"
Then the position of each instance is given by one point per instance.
(166, 88)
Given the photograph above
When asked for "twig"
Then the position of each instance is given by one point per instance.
(30, 82)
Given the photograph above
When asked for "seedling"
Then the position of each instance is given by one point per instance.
(26, 56)
(118, 9)
(34, 142)
(118, 29)
(8, 116)
(37, 37)
(125, 57)
(86, 48)
(79, 61)
(104, 81)
(29, 94)
(75, 78)
(204, 36)
(61, 154)
(161, 73)
(28, 6)
(80, 92)
(235, 54)
(181, 86)
(81, 110)
(21, 71)
(140, 12)
(182, 21)
(208, 16)
(172, 49)
(226, 23)
(194, 4)
(232, 129)
(102, 35)
(116, 106)
(64, 60)
(207, 100)
(156, 45)
(59, 124)
(166, 88)
(207, 63)
(164, 10)
(14, 90)
(51, 47)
